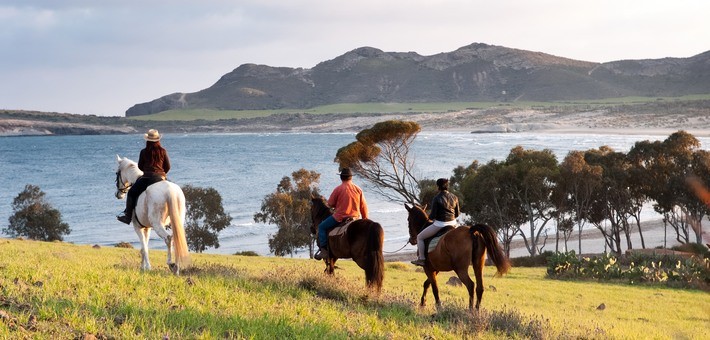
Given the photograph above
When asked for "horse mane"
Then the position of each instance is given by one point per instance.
(422, 211)
(322, 205)
(125, 164)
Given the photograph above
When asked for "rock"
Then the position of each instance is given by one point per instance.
(454, 281)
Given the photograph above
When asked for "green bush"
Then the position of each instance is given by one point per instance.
(35, 218)
(539, 260)
(668, 269)
(695, 248)
(246, 253)
(205, 217)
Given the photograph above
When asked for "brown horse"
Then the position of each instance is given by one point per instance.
(362, 242)
(456, 250)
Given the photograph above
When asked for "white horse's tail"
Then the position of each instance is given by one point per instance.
(176, 210)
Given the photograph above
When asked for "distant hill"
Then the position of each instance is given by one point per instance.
(477, 72)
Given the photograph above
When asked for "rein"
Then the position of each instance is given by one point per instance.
(119, 184)
(392, 252)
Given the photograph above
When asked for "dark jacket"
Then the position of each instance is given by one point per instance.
(444, 207)
(150, 168)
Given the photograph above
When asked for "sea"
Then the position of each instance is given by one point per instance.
(77, 175)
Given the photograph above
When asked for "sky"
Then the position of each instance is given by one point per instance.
(101, 57)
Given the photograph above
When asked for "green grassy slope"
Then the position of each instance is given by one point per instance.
(65, 291)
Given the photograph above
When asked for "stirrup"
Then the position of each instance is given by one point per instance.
(419, 262)
(321, 254)
(124, 218)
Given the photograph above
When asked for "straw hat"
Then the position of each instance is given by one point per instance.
(152, 136)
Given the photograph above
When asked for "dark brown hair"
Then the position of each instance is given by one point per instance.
(155, 151)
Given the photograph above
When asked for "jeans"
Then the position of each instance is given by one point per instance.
(323, 228)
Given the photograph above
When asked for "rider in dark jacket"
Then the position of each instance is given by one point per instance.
(444, 211)
(155, 164)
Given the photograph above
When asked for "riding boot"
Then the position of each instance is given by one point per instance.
(322, 254)
(127, 214)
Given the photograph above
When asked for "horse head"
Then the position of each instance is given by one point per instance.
(126, 174)
(319, 211)
(417, 220)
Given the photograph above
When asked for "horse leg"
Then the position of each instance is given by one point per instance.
(426, 288)
(478, 263)
(167, 238)
(330, 266)
(431, 277)
(144, 237)
(466, 280)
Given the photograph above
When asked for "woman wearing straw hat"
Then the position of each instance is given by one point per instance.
(155, 164)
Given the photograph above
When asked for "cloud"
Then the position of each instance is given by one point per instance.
(101, 57)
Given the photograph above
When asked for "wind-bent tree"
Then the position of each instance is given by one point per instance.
(665, 167)
(381, 156)
(204, 218)
(35, 218)
(532, 175)
(577, 183)
(289, 208)
(614, 200)
(487, 200)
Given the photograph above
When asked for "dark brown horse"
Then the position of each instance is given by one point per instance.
(456, 250)
(362, 242)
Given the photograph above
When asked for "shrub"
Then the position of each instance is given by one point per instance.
(246, 253)
(124, 245)
(205, 217)
(668, 269)
(695, 248)
(35, 218)
(539, 260)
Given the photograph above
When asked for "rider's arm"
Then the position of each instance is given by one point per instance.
(363, 206)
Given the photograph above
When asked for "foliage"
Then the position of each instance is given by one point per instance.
(35, 218)
(670, 270)
(380, 155)
(694, 248)
(539, 260)
(124, 245)
(289, 208)
(205, 217)
(246, 253)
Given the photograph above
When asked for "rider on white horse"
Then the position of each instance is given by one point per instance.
(155, 164)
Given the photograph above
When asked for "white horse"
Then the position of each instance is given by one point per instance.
(161, 204)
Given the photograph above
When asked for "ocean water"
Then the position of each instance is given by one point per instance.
(77, 174)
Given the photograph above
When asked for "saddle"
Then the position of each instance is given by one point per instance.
(338, 245)
(434, 240)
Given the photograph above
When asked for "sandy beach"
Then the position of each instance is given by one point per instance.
(511, 121)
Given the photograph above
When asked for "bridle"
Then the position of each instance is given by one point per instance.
(424, 223)
(120, 186)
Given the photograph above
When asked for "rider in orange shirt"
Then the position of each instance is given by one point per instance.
(348, 201)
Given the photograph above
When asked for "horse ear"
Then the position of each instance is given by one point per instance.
(118, 158)
(407, 207)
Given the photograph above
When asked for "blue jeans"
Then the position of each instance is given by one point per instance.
(323, 228)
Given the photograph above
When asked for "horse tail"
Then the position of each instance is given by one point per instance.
(495, 252)
(176, 211)
(375, 260)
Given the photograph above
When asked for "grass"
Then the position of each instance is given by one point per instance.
(370, 108)
(64, 291)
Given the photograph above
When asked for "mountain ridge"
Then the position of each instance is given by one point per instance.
(476, 72)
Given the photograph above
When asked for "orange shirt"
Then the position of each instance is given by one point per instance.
(348, 201)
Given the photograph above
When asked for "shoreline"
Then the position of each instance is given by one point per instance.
(592, 242)
(475, 121)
